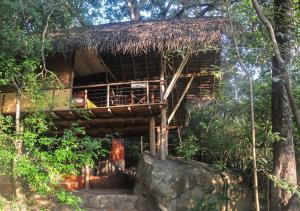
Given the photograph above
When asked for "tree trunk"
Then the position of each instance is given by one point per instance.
(19, 150)
(284, 164)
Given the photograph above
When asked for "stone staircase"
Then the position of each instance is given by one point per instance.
(108, 200)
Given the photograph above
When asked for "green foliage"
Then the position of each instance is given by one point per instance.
(47, 159)
(211, 201)
(69, 199)
(189, 148)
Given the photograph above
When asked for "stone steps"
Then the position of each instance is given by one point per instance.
(94, 209)
(108, 201)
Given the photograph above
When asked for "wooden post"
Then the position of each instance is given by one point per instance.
(148, 95)
(164, 122)
(85, 98)
(152, 136)
(158, 136)
(107, 96)
(164, 135)
(87, 177)
(142, 145)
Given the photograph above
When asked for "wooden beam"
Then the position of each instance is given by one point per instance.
(115, 84)
(107, 69)
(198, 74)
(132, 129)
(176, 75)
(152, 136)
(96, 130)
(98, 121)
(180, 99)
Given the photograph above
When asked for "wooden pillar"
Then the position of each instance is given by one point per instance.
(164, 121)
(164, 134)
(152, 136)
(87, 177)
(142, 144)
(158, 136)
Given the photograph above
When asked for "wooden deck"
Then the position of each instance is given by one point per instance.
(131, 120)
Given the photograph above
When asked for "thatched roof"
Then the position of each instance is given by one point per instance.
(142, 37)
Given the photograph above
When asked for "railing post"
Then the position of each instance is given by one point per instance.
(148, 96)
(85, 98)
(107, 97)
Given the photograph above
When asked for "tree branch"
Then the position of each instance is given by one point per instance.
(44, 36)
(166, 10)
(205, 10)
(131, 10)
(184, 8)
(45, 70)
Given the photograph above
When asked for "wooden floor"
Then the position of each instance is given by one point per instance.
(129, 120)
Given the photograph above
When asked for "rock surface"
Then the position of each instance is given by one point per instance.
(175, 184)
(105, 199)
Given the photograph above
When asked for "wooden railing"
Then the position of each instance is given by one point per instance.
(117, 94)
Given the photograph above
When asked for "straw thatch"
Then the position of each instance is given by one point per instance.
(141, 37)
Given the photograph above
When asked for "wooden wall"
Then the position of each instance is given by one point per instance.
(54, 100)
(63, 69)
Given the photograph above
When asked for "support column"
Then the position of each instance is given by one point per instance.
(152, 136)
(164, 135)
(158, 136)
(164, 121)
(87, 177)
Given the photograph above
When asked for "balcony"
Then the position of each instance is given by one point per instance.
(135, 98)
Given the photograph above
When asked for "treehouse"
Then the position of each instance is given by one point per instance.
(134, 78)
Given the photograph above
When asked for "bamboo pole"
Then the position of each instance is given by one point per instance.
(180, 99)
(176, 75)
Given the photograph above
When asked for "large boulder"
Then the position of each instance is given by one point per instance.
(176, 184)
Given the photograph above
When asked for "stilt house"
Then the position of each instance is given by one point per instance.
(134, 78)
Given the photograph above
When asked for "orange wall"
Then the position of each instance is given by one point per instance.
(117, 152)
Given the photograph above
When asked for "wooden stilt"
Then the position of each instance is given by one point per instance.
(142, 145)
(164, 122)
(158, 136)
(87, 177)
(152, 136)
(164, 135)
